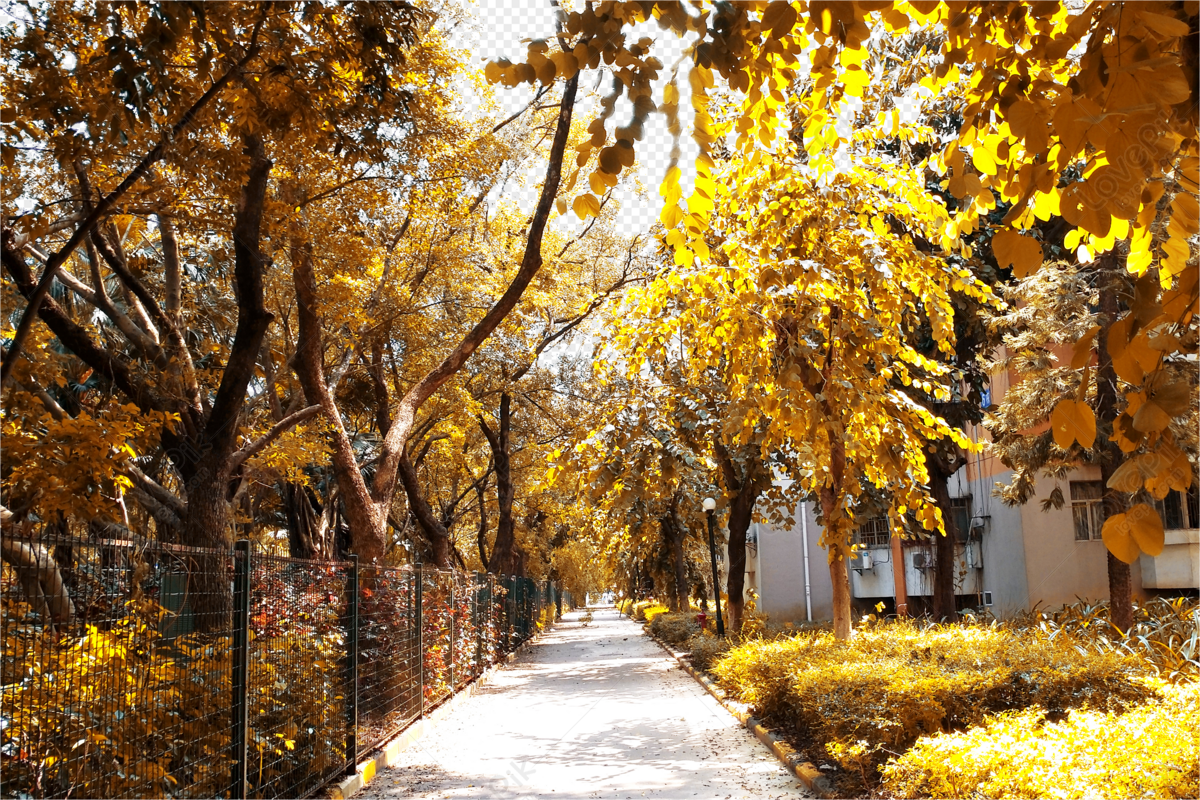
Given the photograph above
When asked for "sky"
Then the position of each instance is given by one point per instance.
(501, 27)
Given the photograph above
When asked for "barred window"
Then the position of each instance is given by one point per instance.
(873, 532)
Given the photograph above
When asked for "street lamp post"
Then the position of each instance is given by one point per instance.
(710, 506)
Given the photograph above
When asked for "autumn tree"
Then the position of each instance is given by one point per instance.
(1063, 413)
(1047, 131)
(146, 140)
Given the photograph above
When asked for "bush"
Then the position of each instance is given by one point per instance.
(1152, 751)
(1165, 633)
(674, 628)
(647, 610)
(706, 649)
(898, 681)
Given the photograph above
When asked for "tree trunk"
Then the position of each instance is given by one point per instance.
(838, 575)
(383, 486)
(209, 519)
(1120, 583)
(899, 581)
(481, 535)
(368, 522)
(673, 534)
(367, 508)
(503, 560)
(435, 532)
(40, 577)
(303, 528)
(741, 512)
(944, 609)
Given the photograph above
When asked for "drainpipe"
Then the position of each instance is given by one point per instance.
(804, 541)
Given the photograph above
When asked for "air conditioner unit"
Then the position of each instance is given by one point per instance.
(861, 562)
(974, 554)
(922, 561)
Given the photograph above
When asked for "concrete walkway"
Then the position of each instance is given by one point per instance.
(588, 711)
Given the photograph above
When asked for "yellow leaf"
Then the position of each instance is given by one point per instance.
(1084, 420)
(1083, 348)
(586, 205)
(1146, 528)
(983, 160)
(1151, 418)
(1118, 538)
(1185, 209)
(1174, 398)
(1061, 425)
(1163, 24)
(1127, 477)
(1022, 252)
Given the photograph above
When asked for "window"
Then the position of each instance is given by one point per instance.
(1193, 504)
(1180, 511)
(960, 509)
(1170, 508)
(873, 532)
(1087, 509)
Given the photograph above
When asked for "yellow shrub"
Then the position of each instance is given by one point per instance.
(674, 628)
(896, 682)
(647, 610)
(1151, 751)
(705, 649)
(108, 714)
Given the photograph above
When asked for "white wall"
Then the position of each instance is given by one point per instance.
(780, 572)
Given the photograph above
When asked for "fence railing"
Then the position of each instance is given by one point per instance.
(148, 670)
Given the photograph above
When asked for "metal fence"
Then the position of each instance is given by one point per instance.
(146, 670)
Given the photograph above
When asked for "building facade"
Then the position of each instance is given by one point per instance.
(1008, 559)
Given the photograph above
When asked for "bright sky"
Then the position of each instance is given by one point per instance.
(502, 24)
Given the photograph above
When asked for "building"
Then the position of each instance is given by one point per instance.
(1008, 559)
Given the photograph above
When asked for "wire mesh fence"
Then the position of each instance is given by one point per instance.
(148, 670)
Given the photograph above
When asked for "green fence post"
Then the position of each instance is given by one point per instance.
(239, 663)
(352, 666)
(420, 622)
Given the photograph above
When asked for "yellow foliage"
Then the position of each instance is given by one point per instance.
(76, 706)
(1151, 751)
(128, 712)
(896, 682)
(647, 610)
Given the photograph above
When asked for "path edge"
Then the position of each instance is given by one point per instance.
(805, 771)
(388, 754)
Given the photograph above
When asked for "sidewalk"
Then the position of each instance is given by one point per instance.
(596, 711)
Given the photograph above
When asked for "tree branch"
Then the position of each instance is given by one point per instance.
(38, 295)
(393, 444)
(277, 430)
(220, 431)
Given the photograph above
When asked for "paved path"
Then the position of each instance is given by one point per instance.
(588, 711)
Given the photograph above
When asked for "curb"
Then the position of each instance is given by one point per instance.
(388, 753)
(804, 771)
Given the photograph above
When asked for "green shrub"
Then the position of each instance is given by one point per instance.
(674, 628)
(898, 681)
(1151, 751)
(705, 649)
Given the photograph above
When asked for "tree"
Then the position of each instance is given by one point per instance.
(1064, 411)
(1051, 133)
(146, 136)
